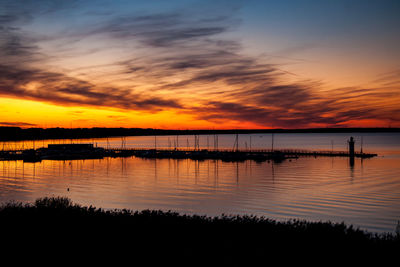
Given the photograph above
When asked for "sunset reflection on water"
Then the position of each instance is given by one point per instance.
(366, 194)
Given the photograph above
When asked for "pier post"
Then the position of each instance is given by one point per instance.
(272, 142)
(250, 143)
(361, 149)
(237, 143)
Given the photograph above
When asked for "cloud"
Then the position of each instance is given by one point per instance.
(57, 88)
(186, 61)
(21, 75)
(17, 124)
(273, 116)
(389, 79)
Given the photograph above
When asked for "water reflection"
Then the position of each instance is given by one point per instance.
(307, 188)
(362, 192)
(351, 165)
(351, 162)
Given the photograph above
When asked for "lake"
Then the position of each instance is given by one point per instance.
(366, 195)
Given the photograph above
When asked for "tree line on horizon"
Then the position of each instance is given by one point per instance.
(17, 133)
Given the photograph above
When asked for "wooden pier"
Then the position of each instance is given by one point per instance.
(88, 151)
(229, 155)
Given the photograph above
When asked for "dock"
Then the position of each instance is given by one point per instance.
(89, 151)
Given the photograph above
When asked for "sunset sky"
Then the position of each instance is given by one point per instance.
(200, 64)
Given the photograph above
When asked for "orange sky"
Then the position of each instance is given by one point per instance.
(200, 67)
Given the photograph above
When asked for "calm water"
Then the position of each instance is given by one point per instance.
(366, 195)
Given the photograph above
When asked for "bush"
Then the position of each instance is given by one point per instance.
(53, 203)
(51, 221)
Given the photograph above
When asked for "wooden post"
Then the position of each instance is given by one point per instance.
(272, 142)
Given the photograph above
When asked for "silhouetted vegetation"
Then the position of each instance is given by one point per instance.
(17, 133)
(58, 224)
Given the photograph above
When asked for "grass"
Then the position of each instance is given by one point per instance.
(57, 222)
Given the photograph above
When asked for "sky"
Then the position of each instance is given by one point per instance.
(200, 64)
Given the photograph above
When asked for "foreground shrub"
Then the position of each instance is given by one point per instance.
(55, 222)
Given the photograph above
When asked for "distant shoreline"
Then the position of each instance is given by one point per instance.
(19, 134)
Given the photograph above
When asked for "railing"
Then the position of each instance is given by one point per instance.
(299, 152)
(266, 151)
